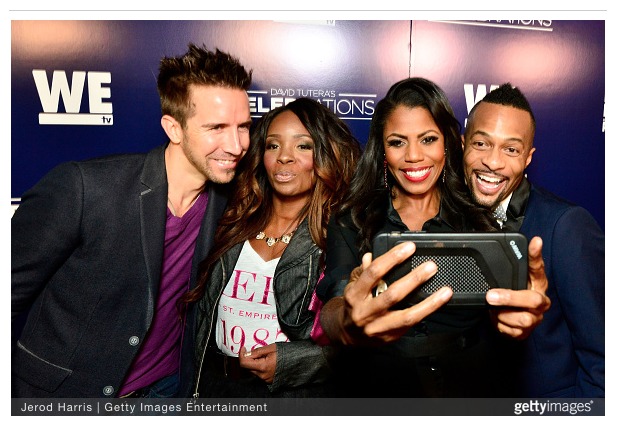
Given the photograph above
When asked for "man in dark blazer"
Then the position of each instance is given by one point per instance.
(103, 250)
(564, 356)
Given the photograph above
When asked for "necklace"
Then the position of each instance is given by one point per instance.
(284, 238)
(171, 205)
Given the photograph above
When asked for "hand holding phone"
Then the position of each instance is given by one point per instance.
(469, 263)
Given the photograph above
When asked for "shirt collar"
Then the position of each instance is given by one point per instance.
(516, 204)
(394, 217)
(505, 202)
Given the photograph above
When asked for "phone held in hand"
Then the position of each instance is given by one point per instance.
(469, 263)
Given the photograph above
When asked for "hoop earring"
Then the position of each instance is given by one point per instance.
(385, 169)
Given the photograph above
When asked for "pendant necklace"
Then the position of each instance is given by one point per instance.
(284, 238)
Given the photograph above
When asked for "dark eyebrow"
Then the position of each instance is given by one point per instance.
(419, 135)
(480, 132)
(295, 136)
(397, 135)
(487, 135)
(214, 125)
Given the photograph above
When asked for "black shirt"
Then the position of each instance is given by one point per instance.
(444, 355)
(343, 255)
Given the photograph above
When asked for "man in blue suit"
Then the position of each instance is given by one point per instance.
(564, 355)
(102, 250)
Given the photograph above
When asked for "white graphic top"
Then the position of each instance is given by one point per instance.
(246, 315)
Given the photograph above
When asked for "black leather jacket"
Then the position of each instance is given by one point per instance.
(299, 361)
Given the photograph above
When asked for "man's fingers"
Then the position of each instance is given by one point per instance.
(524, 299)
(535, 248)
(518, 319)
(517, 324)
(537, 273)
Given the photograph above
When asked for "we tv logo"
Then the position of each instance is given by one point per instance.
(99, 112)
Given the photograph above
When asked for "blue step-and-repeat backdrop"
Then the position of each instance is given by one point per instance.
(86, 88)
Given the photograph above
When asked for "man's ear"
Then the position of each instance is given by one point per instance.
(172, 128)
(462, 141)
(529, 157)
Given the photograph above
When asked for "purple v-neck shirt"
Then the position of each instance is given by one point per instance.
(160, 352)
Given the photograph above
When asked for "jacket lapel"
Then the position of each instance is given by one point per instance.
(216, 204)
(153, 202)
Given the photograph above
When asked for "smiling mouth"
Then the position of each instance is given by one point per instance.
(489, 181)
(226, 163)
(416, 174)
(489, 185)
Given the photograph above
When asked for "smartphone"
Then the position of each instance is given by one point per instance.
(469, 263)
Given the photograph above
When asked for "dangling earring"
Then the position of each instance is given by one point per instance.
(385, 168)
